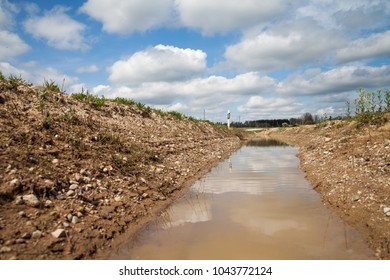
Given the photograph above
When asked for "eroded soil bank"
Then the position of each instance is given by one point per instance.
(76, 179)
(350, 168)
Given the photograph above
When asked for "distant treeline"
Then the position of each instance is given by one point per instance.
(307, 118)
(262, 123)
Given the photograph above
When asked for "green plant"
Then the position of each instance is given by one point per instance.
(46, 121)
(160, 112)
(52, 86)
(387, 100)
(97, 102)
(14, 81)
(71, 116)
(369, 107)
(348, 113)
(124, 101)
(380, 100)
(177, 115)
(2, 78)
(93, 100)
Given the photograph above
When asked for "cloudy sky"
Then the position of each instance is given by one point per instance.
(256, 58)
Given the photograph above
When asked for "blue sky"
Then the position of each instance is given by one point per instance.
(258, 59)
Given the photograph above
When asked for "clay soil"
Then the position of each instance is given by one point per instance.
(77, 180)
(349, 165)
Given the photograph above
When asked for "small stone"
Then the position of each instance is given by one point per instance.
(327, 139)
(22, 214)
(31, 200)
(13, 171)
(66, 224)
(387, 142)
(14, 183)
(73, 187)
(55, 161)
(70, 192)
(79, 214)
(107, 169)
(48, 203)
(19, 200)
(69, 217)
(78, 177)
(36, 234)
(75, 220)
(386, 210)
(86, 179)
(118, 198)
(59, 233)
(143, 180)
(145, 195)
(5, 249)
(49, 183)
(20, 241)
(27, 235)
(159, 170)
(60, 197)
(54, 214)
(355, 198)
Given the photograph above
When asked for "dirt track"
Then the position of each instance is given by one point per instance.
(76, 180)
(350, 168)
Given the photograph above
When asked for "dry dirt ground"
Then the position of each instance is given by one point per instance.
(77, 180)
(350, 168)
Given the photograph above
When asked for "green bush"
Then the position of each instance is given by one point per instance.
(14, 81)
(369, 107)
(51, 86)
(93, 100)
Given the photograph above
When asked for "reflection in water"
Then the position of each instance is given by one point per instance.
(256, 205)
(265, 142)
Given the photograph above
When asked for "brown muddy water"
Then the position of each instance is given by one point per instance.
(255, 205)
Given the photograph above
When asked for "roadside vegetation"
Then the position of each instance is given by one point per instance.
(370, 107)
(95, 101)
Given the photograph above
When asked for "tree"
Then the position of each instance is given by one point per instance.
(307, 118)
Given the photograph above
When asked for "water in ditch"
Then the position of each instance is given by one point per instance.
(255, 205)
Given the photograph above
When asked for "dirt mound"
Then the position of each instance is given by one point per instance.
(350, 166)
(78, 177)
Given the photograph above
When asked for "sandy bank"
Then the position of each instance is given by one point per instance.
(350, 168)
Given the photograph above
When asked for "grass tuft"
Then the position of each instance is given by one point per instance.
(51, 86)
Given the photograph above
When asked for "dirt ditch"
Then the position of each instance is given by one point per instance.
(77, 179)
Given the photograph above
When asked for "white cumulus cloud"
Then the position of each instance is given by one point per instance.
(336, 80)
(365, 48)
(157, 64)
(285, 45)
(58, 29)
(258, 106)
(220, 16)
(128, 16)
(349, 15)
(11, 45)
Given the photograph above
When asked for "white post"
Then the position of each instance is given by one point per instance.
(228, 119)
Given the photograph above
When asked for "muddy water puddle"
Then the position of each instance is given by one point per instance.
(256, 205)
